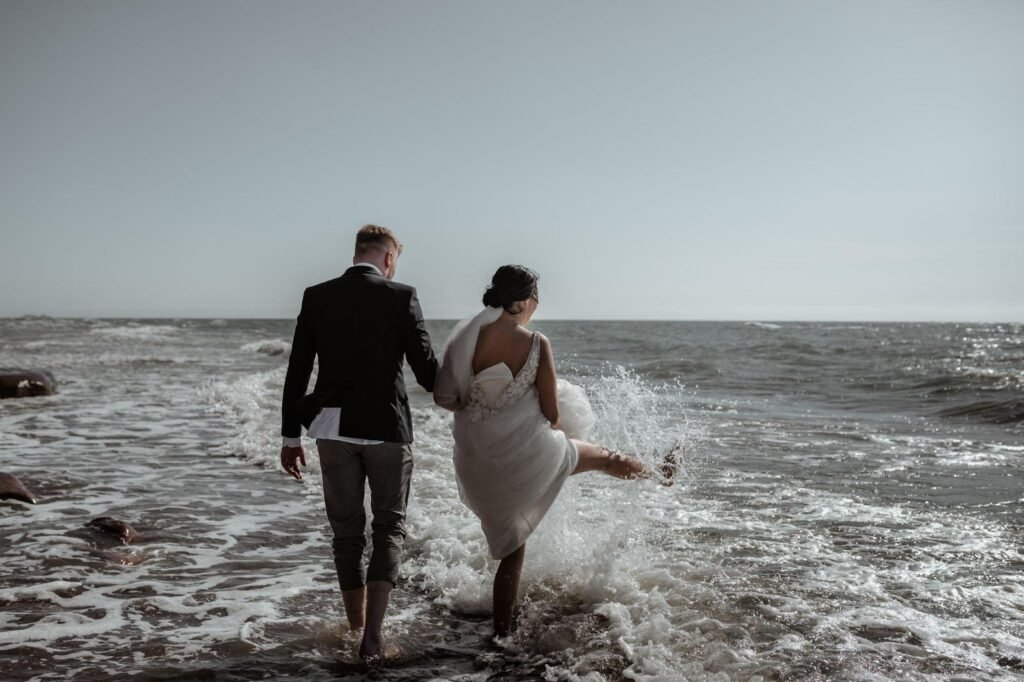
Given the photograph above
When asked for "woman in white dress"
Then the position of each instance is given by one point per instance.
(511, 457)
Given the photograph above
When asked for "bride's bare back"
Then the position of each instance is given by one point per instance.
(502, 341)
(505, 341)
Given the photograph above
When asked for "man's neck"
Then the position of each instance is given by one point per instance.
(371, 265)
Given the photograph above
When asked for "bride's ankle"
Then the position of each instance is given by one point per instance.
(608, 460)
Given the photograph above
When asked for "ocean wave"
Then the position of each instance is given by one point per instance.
(991, 411)
(269, 347)
(42, 322)
(252, 403)
(113, 358)
(949, 379)
(45, 343)
(137, 332)
(992, 378)
(785, 350)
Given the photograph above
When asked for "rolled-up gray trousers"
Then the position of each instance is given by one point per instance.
(346, 467)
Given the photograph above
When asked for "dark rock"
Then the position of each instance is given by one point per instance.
(24, 383)
(111, 526)
(12, 489)
(885, 632)
(123, 557)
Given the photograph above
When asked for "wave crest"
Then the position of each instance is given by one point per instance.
(268, 347)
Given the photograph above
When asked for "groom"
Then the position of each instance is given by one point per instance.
(360, 326)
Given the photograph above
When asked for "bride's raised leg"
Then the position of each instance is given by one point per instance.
(595, 457)
(506, 589)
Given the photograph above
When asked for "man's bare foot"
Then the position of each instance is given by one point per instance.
(370, 648)
(377, 651)
(669, 464)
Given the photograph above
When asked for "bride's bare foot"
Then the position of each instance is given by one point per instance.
(619, 464)
(669, 464)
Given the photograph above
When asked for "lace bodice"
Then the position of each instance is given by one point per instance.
(480, 406)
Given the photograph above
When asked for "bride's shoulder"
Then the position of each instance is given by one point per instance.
(544, 346)
(537, 337)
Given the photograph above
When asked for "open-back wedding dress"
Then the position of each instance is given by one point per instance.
(510, 464)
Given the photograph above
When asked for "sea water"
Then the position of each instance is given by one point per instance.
(849, 505)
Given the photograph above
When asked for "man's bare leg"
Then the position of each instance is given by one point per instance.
(506, 589)
(355, 607)
(378, 593)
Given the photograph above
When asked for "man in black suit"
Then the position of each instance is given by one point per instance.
(360, 326)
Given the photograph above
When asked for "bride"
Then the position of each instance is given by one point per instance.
(511, 455)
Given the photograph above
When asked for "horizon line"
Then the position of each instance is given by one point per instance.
(551, 319)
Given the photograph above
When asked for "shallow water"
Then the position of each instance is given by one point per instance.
(850, 507)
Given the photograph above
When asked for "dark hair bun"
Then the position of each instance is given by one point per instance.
(492, 298)
(510, 284)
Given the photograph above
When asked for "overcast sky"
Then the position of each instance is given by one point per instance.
(674, 160)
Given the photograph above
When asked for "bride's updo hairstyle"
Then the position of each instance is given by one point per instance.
(510, 286)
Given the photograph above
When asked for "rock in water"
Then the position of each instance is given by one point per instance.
(115, 527)
(23, 383)
(11, 488)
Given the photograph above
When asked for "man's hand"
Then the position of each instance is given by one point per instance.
(290, 458)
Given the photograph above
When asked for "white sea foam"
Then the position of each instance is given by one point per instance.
(251, 403)
(138, 332)
(268, 347)
(45, 343)
(114, 358)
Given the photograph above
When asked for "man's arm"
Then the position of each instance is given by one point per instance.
(418, 350)
(300, 367)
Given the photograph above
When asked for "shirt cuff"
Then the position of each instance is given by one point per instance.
(287, 442)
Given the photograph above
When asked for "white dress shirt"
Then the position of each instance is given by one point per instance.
(327, 421)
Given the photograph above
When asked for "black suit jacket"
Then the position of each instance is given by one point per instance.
(360, 326)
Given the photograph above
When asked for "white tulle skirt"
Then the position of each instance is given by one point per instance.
(510, 467)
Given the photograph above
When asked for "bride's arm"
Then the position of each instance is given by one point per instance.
(446, 390)
(547, 382)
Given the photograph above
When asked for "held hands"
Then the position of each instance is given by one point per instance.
(290, 458)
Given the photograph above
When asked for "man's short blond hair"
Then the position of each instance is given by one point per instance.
(377, 238)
